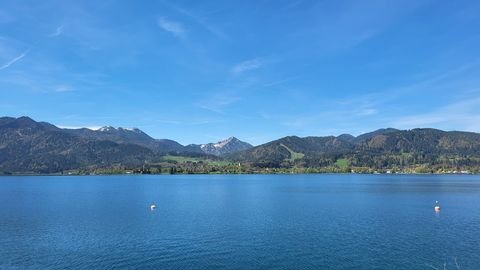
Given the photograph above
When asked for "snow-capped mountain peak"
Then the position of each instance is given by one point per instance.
(227, 146)
(111, 129)
(221, 144)
(106, 128)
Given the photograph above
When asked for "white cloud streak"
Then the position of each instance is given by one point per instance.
(14, 60)
(58, 31)
(218, 102)
(245, 66)
(461, 114)
(202, 22)
(63, 88)
(173, 27)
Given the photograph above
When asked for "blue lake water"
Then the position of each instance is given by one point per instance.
(240, 222)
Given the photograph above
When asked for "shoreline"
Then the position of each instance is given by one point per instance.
(254, 173)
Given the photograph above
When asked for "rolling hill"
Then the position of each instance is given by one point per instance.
(381, 148)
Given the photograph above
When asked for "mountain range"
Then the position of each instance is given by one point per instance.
(28, 146)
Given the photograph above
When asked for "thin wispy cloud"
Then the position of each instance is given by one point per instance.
(218, 102)
(282, 80)
(245, 66)
(368, 111)
(452, 79)
(201, 21)
(14, 60)
(354, 24)
(58, 31)
(173, 27)
(461, 114)
(63, 88)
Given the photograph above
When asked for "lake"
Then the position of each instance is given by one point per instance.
(240, 222)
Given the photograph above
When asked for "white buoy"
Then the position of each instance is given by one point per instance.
(153, 206)
(437, 207)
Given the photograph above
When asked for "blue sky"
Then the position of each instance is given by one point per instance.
(201, 71)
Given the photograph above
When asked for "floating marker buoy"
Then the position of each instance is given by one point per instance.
(437, 207)
(153, 206)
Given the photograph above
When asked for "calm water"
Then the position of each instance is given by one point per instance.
(239, 222)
